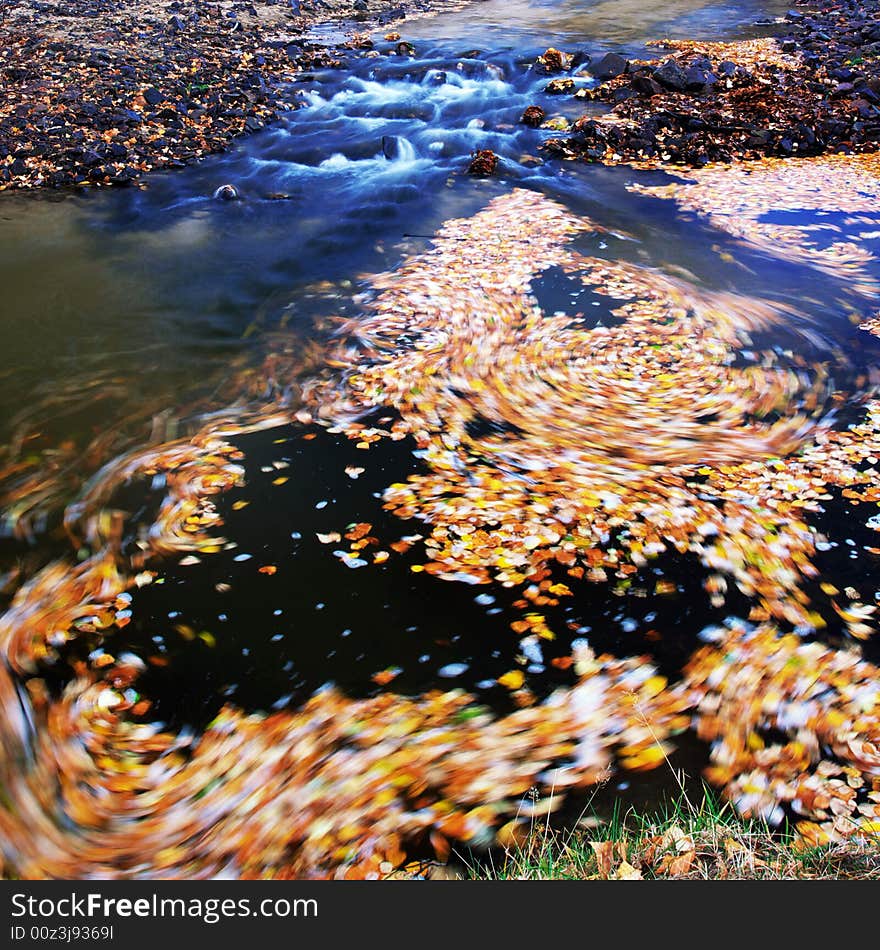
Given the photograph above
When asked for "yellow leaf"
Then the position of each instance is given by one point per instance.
(626, 872)
(512, 680)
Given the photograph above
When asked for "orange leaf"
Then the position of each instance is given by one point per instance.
(440, 845)
(604, 851)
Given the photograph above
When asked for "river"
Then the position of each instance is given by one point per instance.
(132, 316)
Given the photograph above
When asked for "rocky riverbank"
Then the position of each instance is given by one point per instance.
(98, 92)
(813, 88)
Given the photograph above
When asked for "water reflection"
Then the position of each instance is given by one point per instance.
(625, 23)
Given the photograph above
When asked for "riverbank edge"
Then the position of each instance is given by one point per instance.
(96, 96)
(812, 89)
(677, 841)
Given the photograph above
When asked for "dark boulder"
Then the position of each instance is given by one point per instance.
(483, 163)
(391, 147)
(699, 79)
(672, 76)
(609, 66)
(623, 93)
(646, 86)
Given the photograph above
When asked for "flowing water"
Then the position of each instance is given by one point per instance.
(130, 316)
(149, 296)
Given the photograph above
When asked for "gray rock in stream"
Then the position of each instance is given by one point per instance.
(227, 193)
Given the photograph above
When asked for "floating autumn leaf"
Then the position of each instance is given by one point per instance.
(677, 443)
(694, 448)
(512, 680)
(855, 617)
(357, 531)
(384, 677)
(190, 794)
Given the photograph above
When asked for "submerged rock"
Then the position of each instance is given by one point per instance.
(554, 61)
(227, 193)
(558, 86)
(580, 59)
(483, 163)
(533, 116)
(397, 148)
